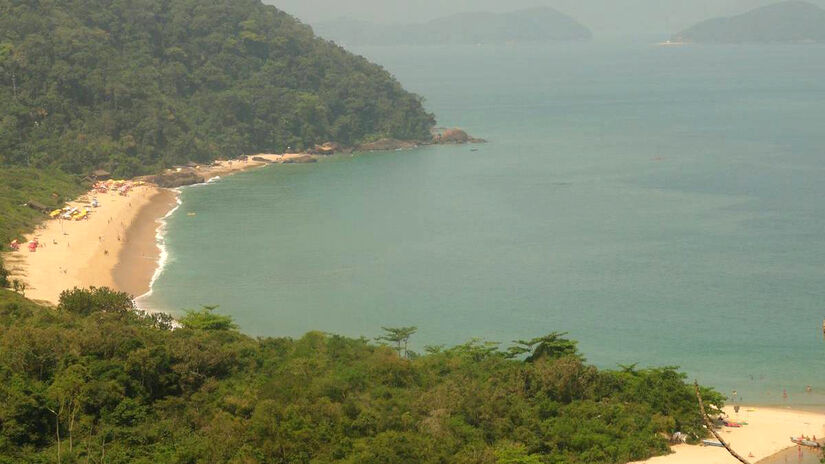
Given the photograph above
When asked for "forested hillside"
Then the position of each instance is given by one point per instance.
(133, 85)
(95, 381)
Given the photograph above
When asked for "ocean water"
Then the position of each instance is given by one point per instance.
(663, 205)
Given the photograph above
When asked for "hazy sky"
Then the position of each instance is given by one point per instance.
(604, 17)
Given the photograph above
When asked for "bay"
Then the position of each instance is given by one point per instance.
(663, 205)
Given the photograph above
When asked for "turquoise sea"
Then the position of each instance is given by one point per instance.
(663, 205)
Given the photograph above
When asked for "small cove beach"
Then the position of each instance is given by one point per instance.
(115, 245)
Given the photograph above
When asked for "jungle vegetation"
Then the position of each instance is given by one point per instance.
(95, 381)
(135, 85)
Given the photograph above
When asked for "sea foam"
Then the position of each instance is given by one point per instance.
(163, 256)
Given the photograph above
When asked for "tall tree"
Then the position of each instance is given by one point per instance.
(400, 336)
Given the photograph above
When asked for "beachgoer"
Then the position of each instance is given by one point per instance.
(784, 394)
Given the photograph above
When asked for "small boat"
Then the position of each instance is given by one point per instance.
(806, 442)
(713, 443)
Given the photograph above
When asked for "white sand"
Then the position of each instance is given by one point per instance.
(767, 433)
(78, 253)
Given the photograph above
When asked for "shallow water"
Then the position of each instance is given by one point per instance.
(663, 205)
(795, 455)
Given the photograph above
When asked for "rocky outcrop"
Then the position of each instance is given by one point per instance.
(300, 159)
(326, 149)
(387, 144)
(175, 179)
(442, 136)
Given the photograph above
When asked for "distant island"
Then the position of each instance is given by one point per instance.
(785, 22)
(540, 24)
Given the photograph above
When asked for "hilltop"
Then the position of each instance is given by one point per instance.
(791, 21)
(133, 87)
(540, 24)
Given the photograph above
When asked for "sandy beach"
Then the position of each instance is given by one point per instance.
(115, 246)
(768, 432)
(80, 253)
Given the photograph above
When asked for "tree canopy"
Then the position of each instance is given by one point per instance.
(95, 380)
(134, 85)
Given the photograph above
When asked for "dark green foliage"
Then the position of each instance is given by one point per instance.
(136, 85)
(126, 383)
(399, 336)
(551, 346)
(86, 302)
(21, 185)
(206, 319)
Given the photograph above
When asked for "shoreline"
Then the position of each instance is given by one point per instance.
(79, 253)
(765, 437)
(117, 246)
(130, 230)
(141, 256)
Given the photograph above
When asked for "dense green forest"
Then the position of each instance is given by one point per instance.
(95, 381)
(135, 85)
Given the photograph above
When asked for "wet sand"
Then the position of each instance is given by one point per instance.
(139, 256)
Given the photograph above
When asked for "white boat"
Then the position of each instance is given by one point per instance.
(806, 442)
